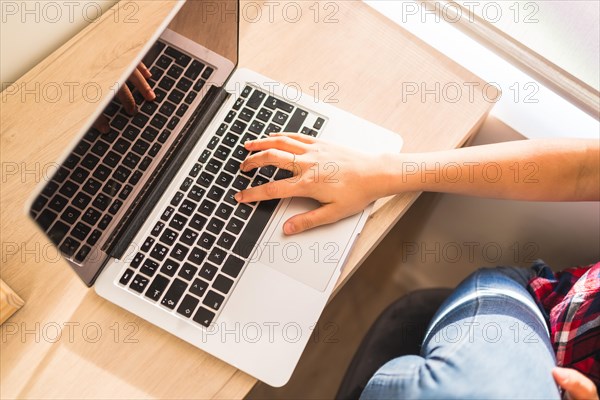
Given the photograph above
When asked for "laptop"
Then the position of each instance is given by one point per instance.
(146, 212)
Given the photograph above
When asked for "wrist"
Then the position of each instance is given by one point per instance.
(399, 173)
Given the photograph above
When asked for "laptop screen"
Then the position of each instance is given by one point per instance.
(108, 178)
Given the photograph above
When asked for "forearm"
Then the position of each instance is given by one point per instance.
(546, 170)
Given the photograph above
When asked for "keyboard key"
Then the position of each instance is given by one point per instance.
(139, 283)
(213, 300)
(135, 177)
(131, 160)
(234, 226)
(82, 254)
(207, 207)
(222, 152)
(125, 192)
(197, 222)
(215, 193)
(91, 216)
(208, 271)
(241, 182)
(246, 114)
(240, 153)
(233, 266)
(199, 287)
(264, 114)
(175, 71)
(205, 179)
(280, 118)
(187, 207)
(126, 277)
(140, 120)
(140, 147)
(206, 240)
(179, 252)
(167, 213)
(230, 116)
(255, 227)
(80, 231)
(182, 109)
(111, 188)
(166, 83)
(180, 58)
(222, 284)
(205, 156)
(238, 104)
(159, 252)
(70, 215)
(137, 260)
(214, 166)
(69, 246)
(58, 202)
(119, 122)
(79, 175)
(257, 127)
(189, 237)
(226, 240)
(223, 211)
(100, 148)
(243, 211)
(157, 287)
(217, 256)
(188, 305)
(176, 96)
(115, 207)
(296, 121)
(256, 99)
(149, 107)
(197, 256)
(187, 183)
(174, 293)
(239, 127)
(207, 73)
(215, 225)
(230, 197)
(102, 173)
(169, 267)
(184, 84)
(204, 317)
(232, 166)
(247, 90)
(104, 222)
(319, 123)
(196, 193)
(149, 267)
(92, 186)
(188, 271)
(274, 103)
(199, 85)
(178, 222)
(147, 244)
(121, 174)
(164, 62)
(58, 232)
(93, 238)
(194, 70)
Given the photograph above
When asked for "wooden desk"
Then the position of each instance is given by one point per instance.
(68, 342)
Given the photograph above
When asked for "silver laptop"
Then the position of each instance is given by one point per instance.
(146, 213)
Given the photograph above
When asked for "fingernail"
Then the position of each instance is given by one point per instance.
(561, 374)
(238, 196)
(288, 228)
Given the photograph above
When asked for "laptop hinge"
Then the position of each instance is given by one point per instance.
(165, 172)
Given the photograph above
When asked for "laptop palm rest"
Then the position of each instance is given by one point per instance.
(306, 257)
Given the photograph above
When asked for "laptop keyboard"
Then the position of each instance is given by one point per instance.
(91, 186)
(191, 260)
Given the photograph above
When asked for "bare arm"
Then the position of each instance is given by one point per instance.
(547, 170)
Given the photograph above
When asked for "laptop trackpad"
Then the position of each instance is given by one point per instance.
(310, 257)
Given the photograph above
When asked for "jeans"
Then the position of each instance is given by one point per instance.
(488, 340)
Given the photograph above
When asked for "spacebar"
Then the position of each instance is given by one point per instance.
(256, 226)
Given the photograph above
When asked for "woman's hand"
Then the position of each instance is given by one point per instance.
(576, 385)
(139, 78)
(344, 181)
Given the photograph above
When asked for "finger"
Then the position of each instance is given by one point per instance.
(140, 82)
(577, 385)
(283, 143)
(127, 100)
(278, 158)
(144, 70)
(273, 190)
(101, 124)
(326, 214)
(298, 136)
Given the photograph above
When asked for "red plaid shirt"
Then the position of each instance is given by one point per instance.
(571, 300)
